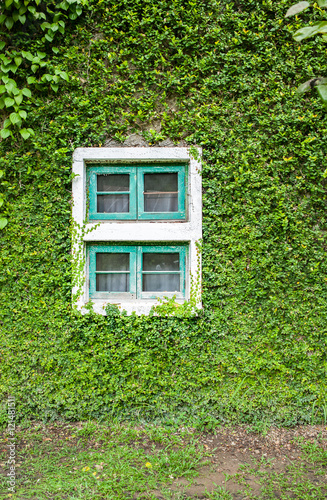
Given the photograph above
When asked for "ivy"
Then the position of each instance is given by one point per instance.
(15, 101)
(318, 28)
(214, 74)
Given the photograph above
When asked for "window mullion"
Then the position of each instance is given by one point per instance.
(132, 269)
(139, 271)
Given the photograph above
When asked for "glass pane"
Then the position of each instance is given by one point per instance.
(112, 282)
(161, 202)
(161, 262)
(112, 203)
(113, 182)
(161, 192)
(161, 283)
(112, 261)
(160, 182)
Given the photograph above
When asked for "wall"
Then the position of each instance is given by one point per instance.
(222, 76)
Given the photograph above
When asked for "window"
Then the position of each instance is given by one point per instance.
(138, 221)
(137, 271)
(136, 192)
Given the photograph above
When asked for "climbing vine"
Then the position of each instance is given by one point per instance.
(317, 28)
(219, 75)
(34, 17)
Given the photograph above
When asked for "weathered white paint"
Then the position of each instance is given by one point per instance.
(189, 231)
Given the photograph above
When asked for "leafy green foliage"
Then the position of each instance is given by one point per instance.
(318, 28)
(29, 13)
(211, 75)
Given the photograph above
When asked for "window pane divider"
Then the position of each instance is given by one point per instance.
(112, 272)
(160, 192)
(161, 272)
(112, 192)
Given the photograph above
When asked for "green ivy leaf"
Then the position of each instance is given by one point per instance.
(10, 84)
(309, 31)
(64, 76)
(30, 79)
(25, 133)
(13, 68)
(5, 69)
(5, 133)
(22, 114)
(2, 45)
(297, 8)
(34, 67)
(27, 55)
(9, 22)
(48, 37)
(26, 91)
(18, 61)
(18, 98)
(14, 118)
(23, 9)
(3, 222)
(45, 26)
(9, 102)
(322, 91)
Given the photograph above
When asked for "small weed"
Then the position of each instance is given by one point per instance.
(219, 493)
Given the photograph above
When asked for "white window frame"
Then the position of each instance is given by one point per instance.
(139, 231)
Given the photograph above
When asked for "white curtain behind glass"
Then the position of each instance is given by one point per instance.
(161, 192)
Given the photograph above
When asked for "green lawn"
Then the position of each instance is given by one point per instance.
(121, 461)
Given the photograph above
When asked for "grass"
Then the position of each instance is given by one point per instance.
(112, 462)
(121, 461)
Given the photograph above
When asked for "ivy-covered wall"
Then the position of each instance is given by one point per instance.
(221, 75)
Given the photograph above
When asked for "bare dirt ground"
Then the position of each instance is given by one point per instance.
(233, 448)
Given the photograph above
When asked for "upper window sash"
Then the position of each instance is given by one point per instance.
(164, 200)
(180, 171)
(95, 193)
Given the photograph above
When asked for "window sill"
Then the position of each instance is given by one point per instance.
(139, 307)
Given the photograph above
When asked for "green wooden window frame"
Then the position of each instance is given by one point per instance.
(136, 191)
(180, 171)
(136, 271)
(93, 172)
